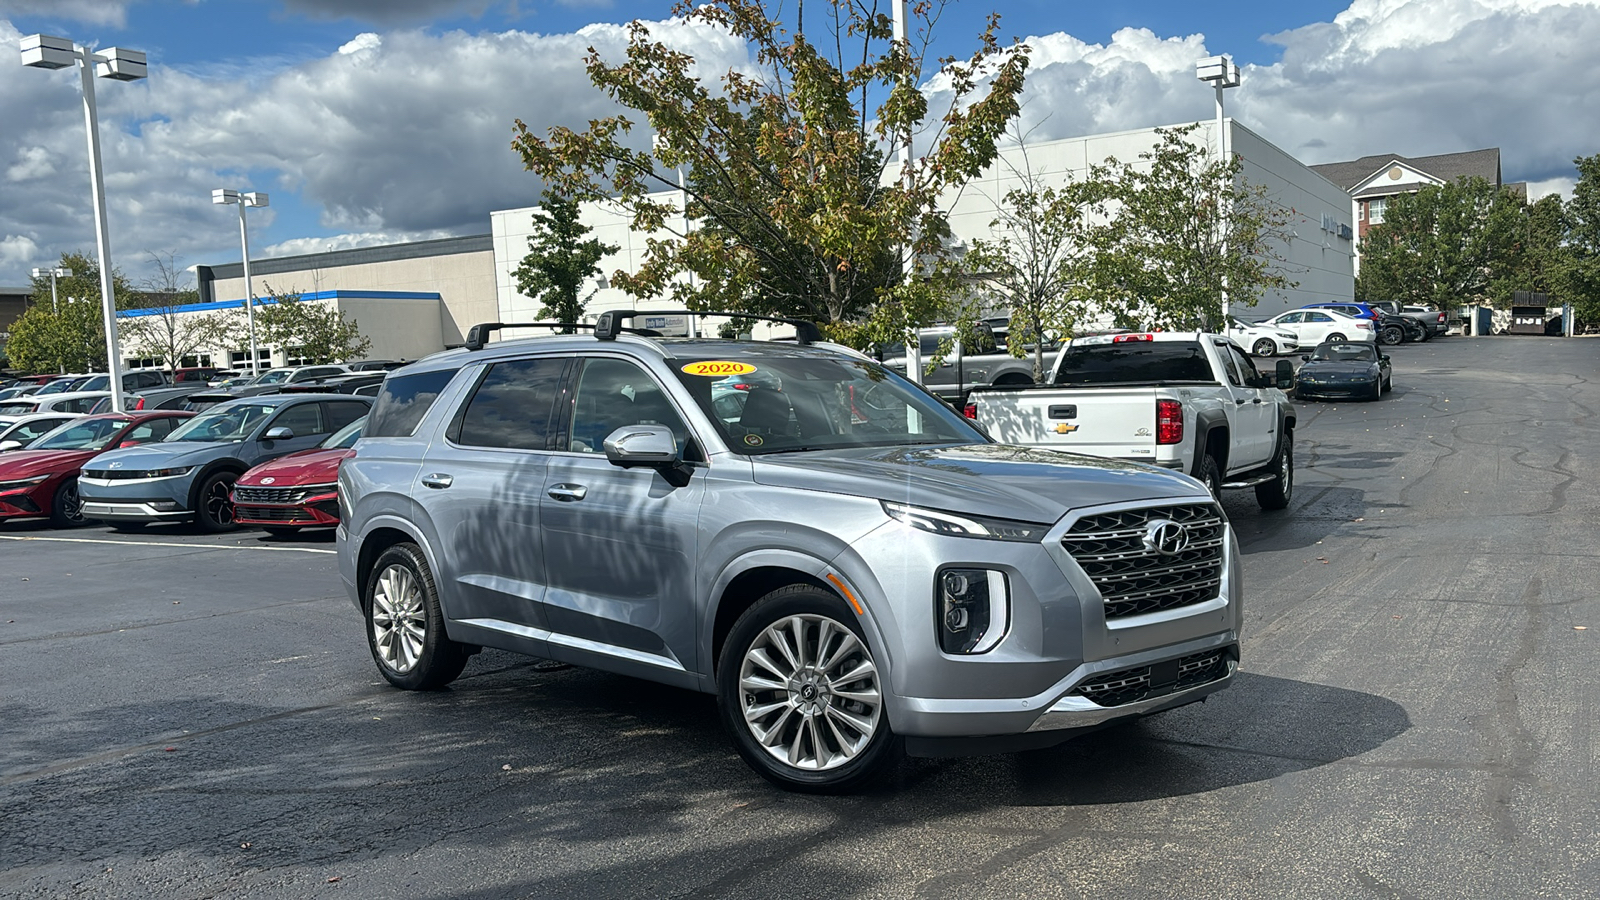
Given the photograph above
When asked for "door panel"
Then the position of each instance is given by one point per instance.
(1256, 422)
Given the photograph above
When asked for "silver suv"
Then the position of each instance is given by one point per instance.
(848, 564)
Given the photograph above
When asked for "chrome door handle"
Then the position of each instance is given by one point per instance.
(437, 480)
(568, 492)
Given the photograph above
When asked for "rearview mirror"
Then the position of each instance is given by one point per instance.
(1285, 374)
(280, 433)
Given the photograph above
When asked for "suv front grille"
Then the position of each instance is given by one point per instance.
(1132, 685)
(1133, 578)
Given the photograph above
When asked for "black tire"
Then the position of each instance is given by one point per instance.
(1264, 347)
(412, 665)
(66, 508)
(789, 725)
(1391, 335)
(1388, 383)
(281, 530)
(1277, 493)
(213, 504)
(1210, 475)
(1377, 389)
(1335, 338)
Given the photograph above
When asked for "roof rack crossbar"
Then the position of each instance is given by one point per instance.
(479, 334)
(611, 322)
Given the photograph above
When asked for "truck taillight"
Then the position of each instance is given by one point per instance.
(970, 411)
(1169, 422)
(1131, 338)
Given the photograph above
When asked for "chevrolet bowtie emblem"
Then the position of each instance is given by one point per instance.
(1064, 428)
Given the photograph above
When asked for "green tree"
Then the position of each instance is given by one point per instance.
(1162, 260)
(163, 329)
(319, 330)
(560, 261)
(1443, 246)
(796, 205)
(1581, 278)
(69, 336)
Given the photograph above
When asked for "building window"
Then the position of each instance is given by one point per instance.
(203, 361)
(1375, 210)
(239, 358)
(295, 356)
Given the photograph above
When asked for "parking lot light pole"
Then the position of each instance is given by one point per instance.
(42, 51)
(1223, 74)
(53, 274)
(223, 196)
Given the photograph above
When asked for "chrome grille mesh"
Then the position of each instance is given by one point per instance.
(1134, 578)
(243, 494)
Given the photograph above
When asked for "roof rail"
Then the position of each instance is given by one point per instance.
(479, 334)
(611, 322)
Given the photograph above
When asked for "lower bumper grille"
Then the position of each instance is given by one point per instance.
(273, 514)
(1143, 682)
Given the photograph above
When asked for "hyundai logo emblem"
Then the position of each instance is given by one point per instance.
(1166, 537)
(268, 480)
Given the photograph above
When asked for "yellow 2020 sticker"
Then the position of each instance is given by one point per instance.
(718, 368)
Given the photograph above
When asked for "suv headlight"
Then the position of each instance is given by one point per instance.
(973, 607)
(167, 473)
(960, 525)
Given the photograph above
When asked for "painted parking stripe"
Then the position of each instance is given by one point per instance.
(60, 540)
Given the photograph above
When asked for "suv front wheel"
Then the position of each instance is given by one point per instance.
(802, 694)
(405, 627)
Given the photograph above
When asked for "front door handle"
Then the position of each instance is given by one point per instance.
(437, 480)
(568, 492)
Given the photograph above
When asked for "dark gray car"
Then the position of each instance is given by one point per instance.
(849, 565)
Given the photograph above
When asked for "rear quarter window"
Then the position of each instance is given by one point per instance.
(403, 401)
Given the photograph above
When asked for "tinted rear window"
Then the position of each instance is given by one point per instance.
(1133, 363)
(513, 405)
(403, 402)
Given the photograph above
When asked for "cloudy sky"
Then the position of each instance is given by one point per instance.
(376, 121)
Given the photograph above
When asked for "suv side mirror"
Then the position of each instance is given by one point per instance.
(641, 446)
(1285, 374)
(280, 433)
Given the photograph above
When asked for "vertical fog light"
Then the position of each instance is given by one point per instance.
(973, 607)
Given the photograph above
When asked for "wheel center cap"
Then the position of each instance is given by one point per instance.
(808, 692)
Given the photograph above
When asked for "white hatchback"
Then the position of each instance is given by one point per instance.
(1314, 326)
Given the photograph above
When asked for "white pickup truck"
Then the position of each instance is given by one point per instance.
(1192, 402)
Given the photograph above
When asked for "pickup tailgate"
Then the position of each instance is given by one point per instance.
(1111, 421)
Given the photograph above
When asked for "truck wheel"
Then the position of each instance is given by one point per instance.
(1265, 347)
(405, 626)
(802, 695)
(1210, 475)
(1277, 493)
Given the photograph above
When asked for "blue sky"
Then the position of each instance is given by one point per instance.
(372, 121)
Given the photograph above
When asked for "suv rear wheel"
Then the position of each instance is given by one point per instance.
(802, 695)
(405, 627)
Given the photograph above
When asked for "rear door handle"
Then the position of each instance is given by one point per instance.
(437, 480)
(568, 492)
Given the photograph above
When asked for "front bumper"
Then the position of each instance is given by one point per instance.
(20, 503)
(1340, 391)
(136, 499)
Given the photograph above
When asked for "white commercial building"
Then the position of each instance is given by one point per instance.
(1317, 256)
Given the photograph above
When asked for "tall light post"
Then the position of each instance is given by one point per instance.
(223, 196)
(41, 51)
(902, 35)
(55, 304)
(1223, 74)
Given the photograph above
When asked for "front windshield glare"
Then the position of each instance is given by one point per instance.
(276, 377)
(225, 423)
(821, 403)
(91, 434)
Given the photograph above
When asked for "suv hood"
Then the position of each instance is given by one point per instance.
(163, 455)
(997, 480)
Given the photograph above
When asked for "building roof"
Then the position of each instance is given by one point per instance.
(209, 305)
(274, 265)
(1483, 164)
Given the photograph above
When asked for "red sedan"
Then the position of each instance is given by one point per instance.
(297, 491)
(42, 480)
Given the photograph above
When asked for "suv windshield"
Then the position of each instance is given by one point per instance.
(1345, 353)
(276, 376)
(823, 403)
(1134, 362)
(90, 434)
(230, 423)
(346, 437)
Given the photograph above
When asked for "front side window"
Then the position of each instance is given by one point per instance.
(404, 400)
(824, 403)
(90, 434)
(513, 405)
(1247, 367)
(615, 393)
(152, 429)
(1230, 366)
(304, 419)
(230, 422)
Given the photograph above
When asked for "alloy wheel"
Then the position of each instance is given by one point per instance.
(219, 505)
(810, 693)
(399, 620)
(71, 503)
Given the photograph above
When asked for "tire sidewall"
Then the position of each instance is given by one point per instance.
(203, 518)
(1210, 475)
(441, 659)
(881, 751)
(57, 518)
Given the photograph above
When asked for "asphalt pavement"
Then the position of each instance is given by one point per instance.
(198, 716)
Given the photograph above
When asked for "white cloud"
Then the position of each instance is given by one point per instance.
(1562, 186)
(32, 162)
(18, 250)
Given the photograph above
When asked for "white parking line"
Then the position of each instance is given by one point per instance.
(61, 540)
